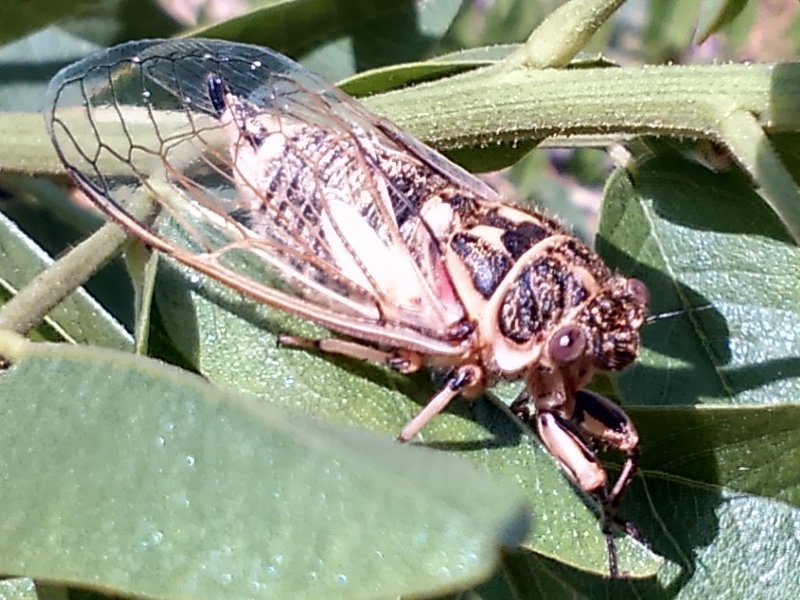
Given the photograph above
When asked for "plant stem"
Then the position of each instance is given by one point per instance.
(562, 34)
(27, 308)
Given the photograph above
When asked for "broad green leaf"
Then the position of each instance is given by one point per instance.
(233, 344)
(125, 474)
(720, 489)
(754, 562)
(745, 449)
(709, 248)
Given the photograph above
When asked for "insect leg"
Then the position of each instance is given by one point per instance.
(610, 427)
(404, 361)
(463, 378)
(606, 423)
(563, 440)
(568, 437)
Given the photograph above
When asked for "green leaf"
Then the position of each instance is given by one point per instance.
(233, 344)
(746, 449)
(125, 474)
(394, 77)
(716, 15)
(709, 248)
(720, 490)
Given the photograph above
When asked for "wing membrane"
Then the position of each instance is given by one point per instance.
(276, 183)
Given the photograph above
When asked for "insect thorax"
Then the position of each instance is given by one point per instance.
(528, 281)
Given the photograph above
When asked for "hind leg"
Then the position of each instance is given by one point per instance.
(404, 361)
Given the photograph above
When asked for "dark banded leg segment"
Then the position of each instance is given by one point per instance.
(595, 422)
(610, 428)
(464, 378)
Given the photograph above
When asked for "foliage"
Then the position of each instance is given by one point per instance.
(130, 477)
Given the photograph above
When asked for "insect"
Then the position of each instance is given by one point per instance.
(293, 194)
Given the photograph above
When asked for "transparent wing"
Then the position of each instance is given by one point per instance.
(268, 179)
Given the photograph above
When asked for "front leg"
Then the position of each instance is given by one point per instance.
(571, 440)
(565, 427)
(608, 426)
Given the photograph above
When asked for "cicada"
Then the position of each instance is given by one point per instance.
(292, 193)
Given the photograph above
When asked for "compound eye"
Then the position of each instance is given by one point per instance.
(567, 344)
(639, 291)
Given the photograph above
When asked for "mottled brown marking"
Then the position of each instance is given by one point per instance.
(534, 301)
(520, 314)
(576, 254)
(486, 265)
(613, 319)
(541, 294)
(463, 206)
(520, 236)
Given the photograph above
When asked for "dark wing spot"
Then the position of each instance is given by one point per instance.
(216, 93)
